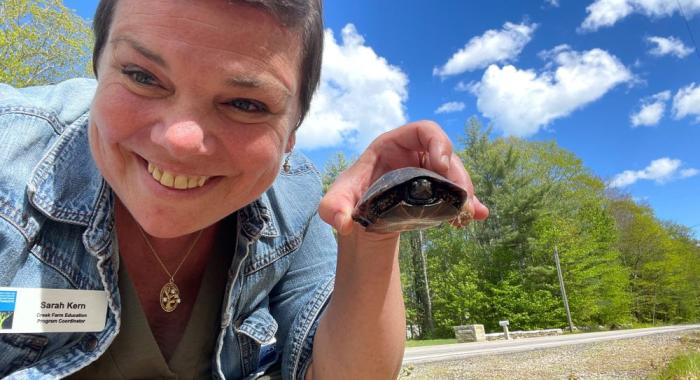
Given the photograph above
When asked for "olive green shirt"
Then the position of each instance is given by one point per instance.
(135, 354)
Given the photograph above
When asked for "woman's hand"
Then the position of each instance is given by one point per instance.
(365, 319)
(419, 144)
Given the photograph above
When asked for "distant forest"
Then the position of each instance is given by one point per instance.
(621, 265)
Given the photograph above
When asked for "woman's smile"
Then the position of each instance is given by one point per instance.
(175, 180)
(164, 180)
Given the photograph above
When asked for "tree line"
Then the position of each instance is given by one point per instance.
(620, 263)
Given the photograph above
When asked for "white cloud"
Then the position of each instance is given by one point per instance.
(604, 13)
(491, 47)
(652, 110)
(463, 86)
(668, 46)
(686, 102)
(686, 173)
(554, 3)
(661, 171)
(520, 102)
(361, 96)
(450, 107)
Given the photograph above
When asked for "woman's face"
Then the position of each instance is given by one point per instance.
(195, 107)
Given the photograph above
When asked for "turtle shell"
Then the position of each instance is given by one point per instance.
(409, 199)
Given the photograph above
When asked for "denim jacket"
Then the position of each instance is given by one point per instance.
(57, 231)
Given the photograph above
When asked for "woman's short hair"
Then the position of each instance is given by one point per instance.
(303, 15)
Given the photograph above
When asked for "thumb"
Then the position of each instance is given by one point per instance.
(336, 209)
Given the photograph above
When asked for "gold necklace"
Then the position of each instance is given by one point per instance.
(170, 293)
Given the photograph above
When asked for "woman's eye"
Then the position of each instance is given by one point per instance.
(248, 105)
(139, 76)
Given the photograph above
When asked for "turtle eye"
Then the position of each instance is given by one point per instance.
(421, 190)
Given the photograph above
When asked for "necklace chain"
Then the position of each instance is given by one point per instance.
(169, 293)
(155, 254)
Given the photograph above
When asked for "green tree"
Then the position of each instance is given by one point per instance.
(596, 281)
(641, 244)
(681, 299)
(663, 260)
(516, 197)
(421, 281)
(456, 290)
(333, 168)
(541, 196)
(42, 42)
(527, 307)
(413, 317)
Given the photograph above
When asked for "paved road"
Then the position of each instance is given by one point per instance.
(417, 355)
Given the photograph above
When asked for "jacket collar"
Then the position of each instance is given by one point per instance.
(67, 187)
(256, 219)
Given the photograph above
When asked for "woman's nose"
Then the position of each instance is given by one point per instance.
(181, 138)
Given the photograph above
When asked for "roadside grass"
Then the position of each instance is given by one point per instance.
(685, 366)
(429, 342)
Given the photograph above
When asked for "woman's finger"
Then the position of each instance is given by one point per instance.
(413, 138)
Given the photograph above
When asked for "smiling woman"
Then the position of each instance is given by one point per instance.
(200, 121)
(163, 185)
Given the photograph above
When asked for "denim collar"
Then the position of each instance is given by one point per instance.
(256, 219)
(67, 186)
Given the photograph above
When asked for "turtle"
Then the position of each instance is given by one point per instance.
(409, 199)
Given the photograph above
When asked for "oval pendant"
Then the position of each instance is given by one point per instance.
(169, 296)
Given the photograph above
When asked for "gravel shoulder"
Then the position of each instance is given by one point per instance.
(632, 358)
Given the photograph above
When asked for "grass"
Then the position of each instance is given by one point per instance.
(429, 342)
(687, 365)
(683, 367)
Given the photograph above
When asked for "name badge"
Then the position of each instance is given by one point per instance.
(31, 310)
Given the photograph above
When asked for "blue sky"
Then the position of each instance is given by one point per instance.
(614, 81)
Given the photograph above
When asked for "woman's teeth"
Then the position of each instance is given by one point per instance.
(176, 181)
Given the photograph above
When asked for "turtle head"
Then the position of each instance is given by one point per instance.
(420, 191)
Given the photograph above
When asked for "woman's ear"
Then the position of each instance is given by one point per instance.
(290, 143)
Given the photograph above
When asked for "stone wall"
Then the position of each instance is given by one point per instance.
(524, 334)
